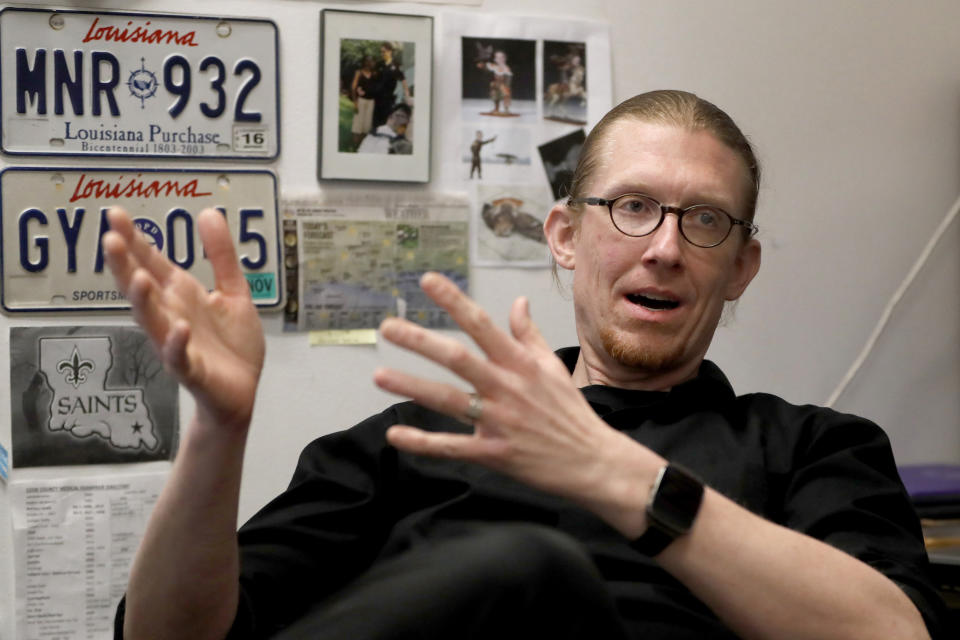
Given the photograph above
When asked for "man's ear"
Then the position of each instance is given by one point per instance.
(746, 265)
(560, 229)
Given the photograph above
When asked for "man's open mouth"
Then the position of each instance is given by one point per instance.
(652, 302)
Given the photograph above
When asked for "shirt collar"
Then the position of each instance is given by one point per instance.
(710, 385)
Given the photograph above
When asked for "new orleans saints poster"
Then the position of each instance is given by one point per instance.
(89, 395)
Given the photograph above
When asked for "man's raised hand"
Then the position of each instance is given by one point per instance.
(533, 422)
(212, 341)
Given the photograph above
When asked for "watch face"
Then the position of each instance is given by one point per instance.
(676, 500)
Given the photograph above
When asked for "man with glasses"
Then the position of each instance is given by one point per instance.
(618, 489)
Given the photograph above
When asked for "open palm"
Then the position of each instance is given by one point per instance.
(212, 341)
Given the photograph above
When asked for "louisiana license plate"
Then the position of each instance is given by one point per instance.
(137, 84)
(53, 220)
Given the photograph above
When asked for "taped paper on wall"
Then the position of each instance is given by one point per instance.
(357, 261)
(74, 541)
(89, 395)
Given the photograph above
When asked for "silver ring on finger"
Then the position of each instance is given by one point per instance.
(474, 409)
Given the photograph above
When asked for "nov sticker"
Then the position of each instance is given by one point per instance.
(263, 286)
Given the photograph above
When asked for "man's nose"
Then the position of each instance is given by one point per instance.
(664, 246)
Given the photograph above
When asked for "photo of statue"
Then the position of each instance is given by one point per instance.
(560, 157)
(504, 154)
(565, 79)
(499, 79)
(475, 148)
(509, 225)
(504, 218)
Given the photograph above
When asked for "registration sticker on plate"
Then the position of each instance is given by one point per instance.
(53, 220)
(137, 84)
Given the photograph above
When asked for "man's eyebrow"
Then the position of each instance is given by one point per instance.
(701, 197)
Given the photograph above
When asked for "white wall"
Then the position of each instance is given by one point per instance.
(855, 108)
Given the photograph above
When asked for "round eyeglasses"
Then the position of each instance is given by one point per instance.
(637, 214)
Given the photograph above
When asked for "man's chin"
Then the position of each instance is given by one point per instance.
(638, 355)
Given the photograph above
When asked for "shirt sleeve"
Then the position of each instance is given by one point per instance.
(845, 491)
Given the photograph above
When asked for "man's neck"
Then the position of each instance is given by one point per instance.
(603, 370)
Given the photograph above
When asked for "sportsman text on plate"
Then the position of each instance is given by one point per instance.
(53, 220)
(137, 84)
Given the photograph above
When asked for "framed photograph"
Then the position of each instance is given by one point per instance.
(375, 89)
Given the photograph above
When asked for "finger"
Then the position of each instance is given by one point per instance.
(119, 260)
(522, 326)
(215, 235)
(148, 257)
(469, 316)
(445, 351)
(145, 303)
(438, 396)
(175, 349)
(119, 220)
(456, 446)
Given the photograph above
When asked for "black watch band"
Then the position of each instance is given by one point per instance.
(652, 541)
(671, 509)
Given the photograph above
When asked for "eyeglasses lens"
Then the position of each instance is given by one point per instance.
(705, 226)
(635, 215)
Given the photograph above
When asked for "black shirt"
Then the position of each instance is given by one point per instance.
(354, 499)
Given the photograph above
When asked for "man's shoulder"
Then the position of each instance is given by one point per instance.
(808, 427)
(796, 421)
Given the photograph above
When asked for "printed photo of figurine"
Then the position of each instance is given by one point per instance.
(376, 96)
(505, 218)
(565, 82)
(497, 154)
(510, 229)
(560, 157)
(476, 145)
(499, 79)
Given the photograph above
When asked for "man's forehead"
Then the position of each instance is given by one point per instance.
(649, 156)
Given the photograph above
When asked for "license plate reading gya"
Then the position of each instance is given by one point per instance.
(53, 221)
(137, 84)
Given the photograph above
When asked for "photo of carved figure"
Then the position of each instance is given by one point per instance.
(475, 148)
(499, 78)
(497, 154)
(565, 82)
(504, 218)
(509, 225)
(376, 94)
(560, 157)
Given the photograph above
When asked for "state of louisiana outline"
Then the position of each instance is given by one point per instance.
(75, 370)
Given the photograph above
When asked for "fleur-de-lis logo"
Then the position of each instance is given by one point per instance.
(73, 369)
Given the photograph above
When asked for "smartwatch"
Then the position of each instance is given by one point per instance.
(671, 508)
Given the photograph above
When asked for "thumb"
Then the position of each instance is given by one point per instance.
(522, 326)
